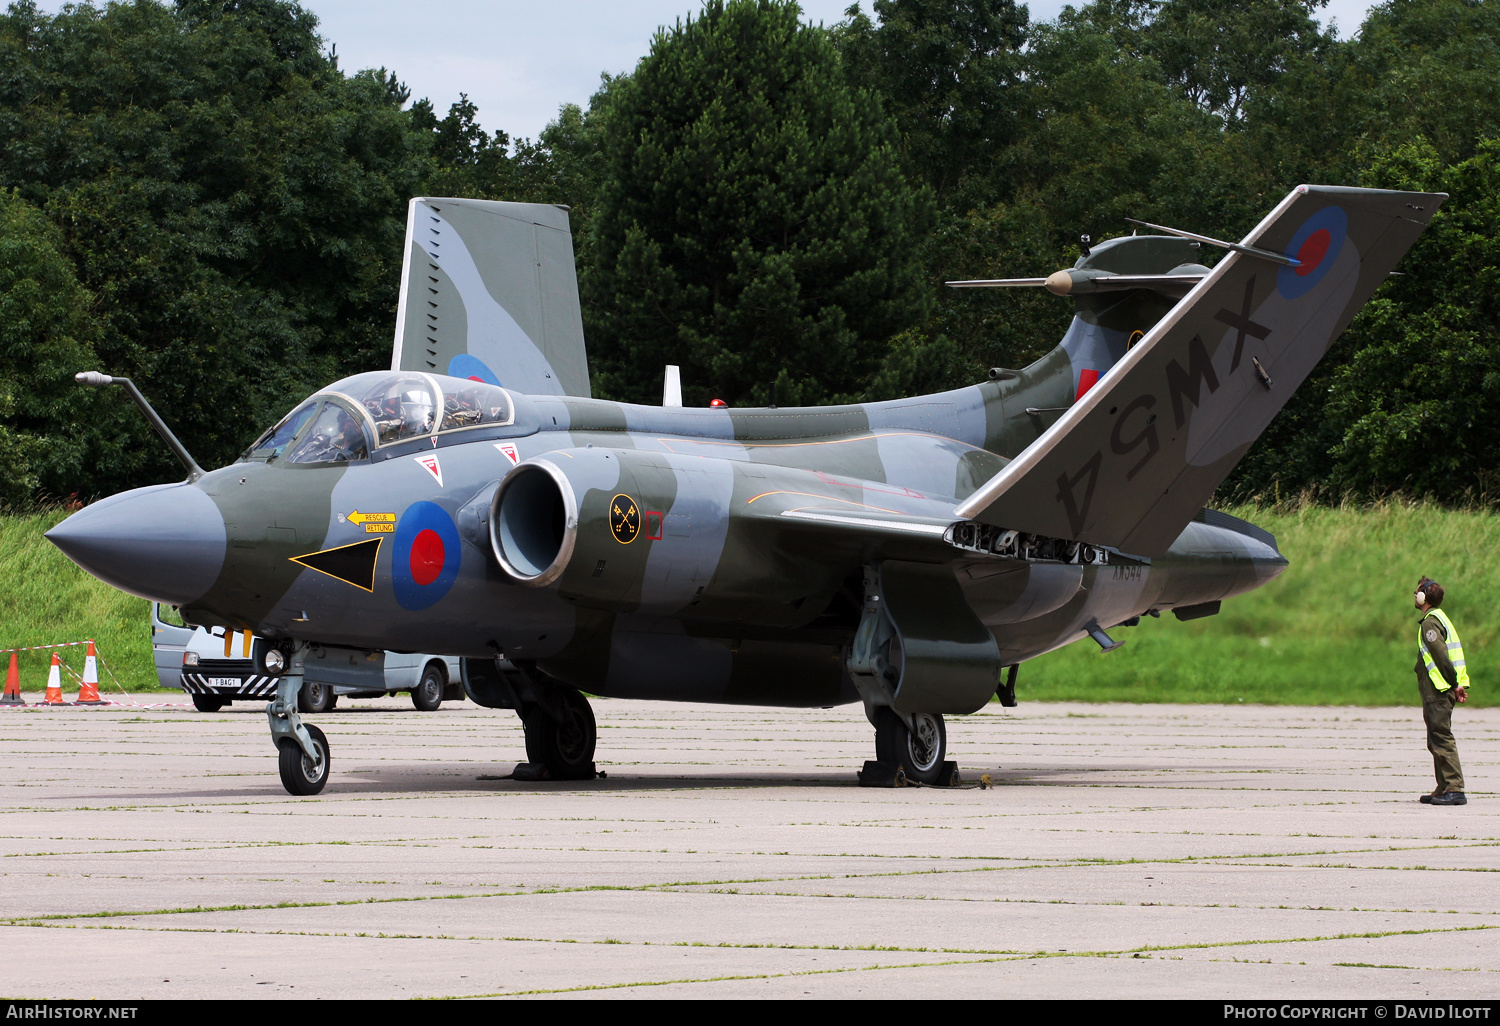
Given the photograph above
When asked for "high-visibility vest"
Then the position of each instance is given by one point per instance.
(1455, 652)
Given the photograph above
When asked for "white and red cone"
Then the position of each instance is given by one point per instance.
(88, 691)
(54, 683)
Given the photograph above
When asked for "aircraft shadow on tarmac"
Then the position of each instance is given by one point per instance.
(496, 780)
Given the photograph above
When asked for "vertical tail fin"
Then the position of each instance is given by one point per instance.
(489, 291)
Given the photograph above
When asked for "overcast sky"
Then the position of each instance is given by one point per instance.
(520, 60)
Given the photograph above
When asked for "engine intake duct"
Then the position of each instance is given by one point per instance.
(534, 523)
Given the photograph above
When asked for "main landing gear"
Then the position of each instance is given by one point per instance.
(560, 735)
(560, 729)
(917, 749)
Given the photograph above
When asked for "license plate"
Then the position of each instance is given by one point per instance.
(225, 682)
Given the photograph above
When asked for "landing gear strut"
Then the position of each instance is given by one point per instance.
(302, 750)
(1007, 691)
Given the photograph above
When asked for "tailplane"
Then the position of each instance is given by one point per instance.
(1134, 459)
(1120, 288)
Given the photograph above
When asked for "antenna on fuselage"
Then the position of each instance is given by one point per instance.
(1264, 254)
(671, 389)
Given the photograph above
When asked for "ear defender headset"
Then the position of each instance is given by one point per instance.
(1421, 595)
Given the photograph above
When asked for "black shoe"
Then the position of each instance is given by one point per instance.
(1426, 799)
(1449, 798)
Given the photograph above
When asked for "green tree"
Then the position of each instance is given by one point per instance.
(233, 203)
(52, 433)
(1217, 53)
(948, 71)
(1428, 68)
(752, 222)
(1418, 405)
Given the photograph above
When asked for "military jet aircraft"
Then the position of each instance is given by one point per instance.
(908, 555)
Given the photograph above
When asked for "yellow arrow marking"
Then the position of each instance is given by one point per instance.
(371, 518)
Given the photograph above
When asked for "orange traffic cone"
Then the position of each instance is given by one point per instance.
(54, 684)
(12, 694)
(88, 691)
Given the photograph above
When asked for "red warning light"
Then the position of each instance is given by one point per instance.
(718, 404)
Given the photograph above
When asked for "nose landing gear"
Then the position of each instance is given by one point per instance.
(301, 748)
(302, 774)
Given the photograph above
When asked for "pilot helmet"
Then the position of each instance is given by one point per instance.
(416, 410)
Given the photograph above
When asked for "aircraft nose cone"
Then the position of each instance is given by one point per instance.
(164, 543)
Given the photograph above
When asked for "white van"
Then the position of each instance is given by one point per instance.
(216, 667)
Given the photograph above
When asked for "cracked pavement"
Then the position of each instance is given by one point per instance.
(1226, 852)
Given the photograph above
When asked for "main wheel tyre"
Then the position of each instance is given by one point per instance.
(919, 751)
(208, 703)
(428, 694)
(565, 747)
(316, 698)
(301, 775)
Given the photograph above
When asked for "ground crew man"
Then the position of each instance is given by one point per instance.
(1442, 680)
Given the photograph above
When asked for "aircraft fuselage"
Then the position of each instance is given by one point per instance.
(711, 593)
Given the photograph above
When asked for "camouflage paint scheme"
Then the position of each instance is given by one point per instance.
(763, 539)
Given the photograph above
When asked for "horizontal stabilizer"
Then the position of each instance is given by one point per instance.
(1132, 462)
(489, 291)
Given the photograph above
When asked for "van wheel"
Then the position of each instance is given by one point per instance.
(208, 703)
(428, 695)
(316, 698)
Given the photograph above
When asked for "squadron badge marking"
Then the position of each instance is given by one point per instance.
(509, 449)
(624, 519)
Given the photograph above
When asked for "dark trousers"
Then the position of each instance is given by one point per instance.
(1437, 713)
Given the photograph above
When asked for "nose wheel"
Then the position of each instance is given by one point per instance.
(303, 774)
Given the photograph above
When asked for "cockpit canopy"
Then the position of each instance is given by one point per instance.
(344, 421)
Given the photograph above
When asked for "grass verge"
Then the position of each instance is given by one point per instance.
(1336, 628)
(45, 598)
